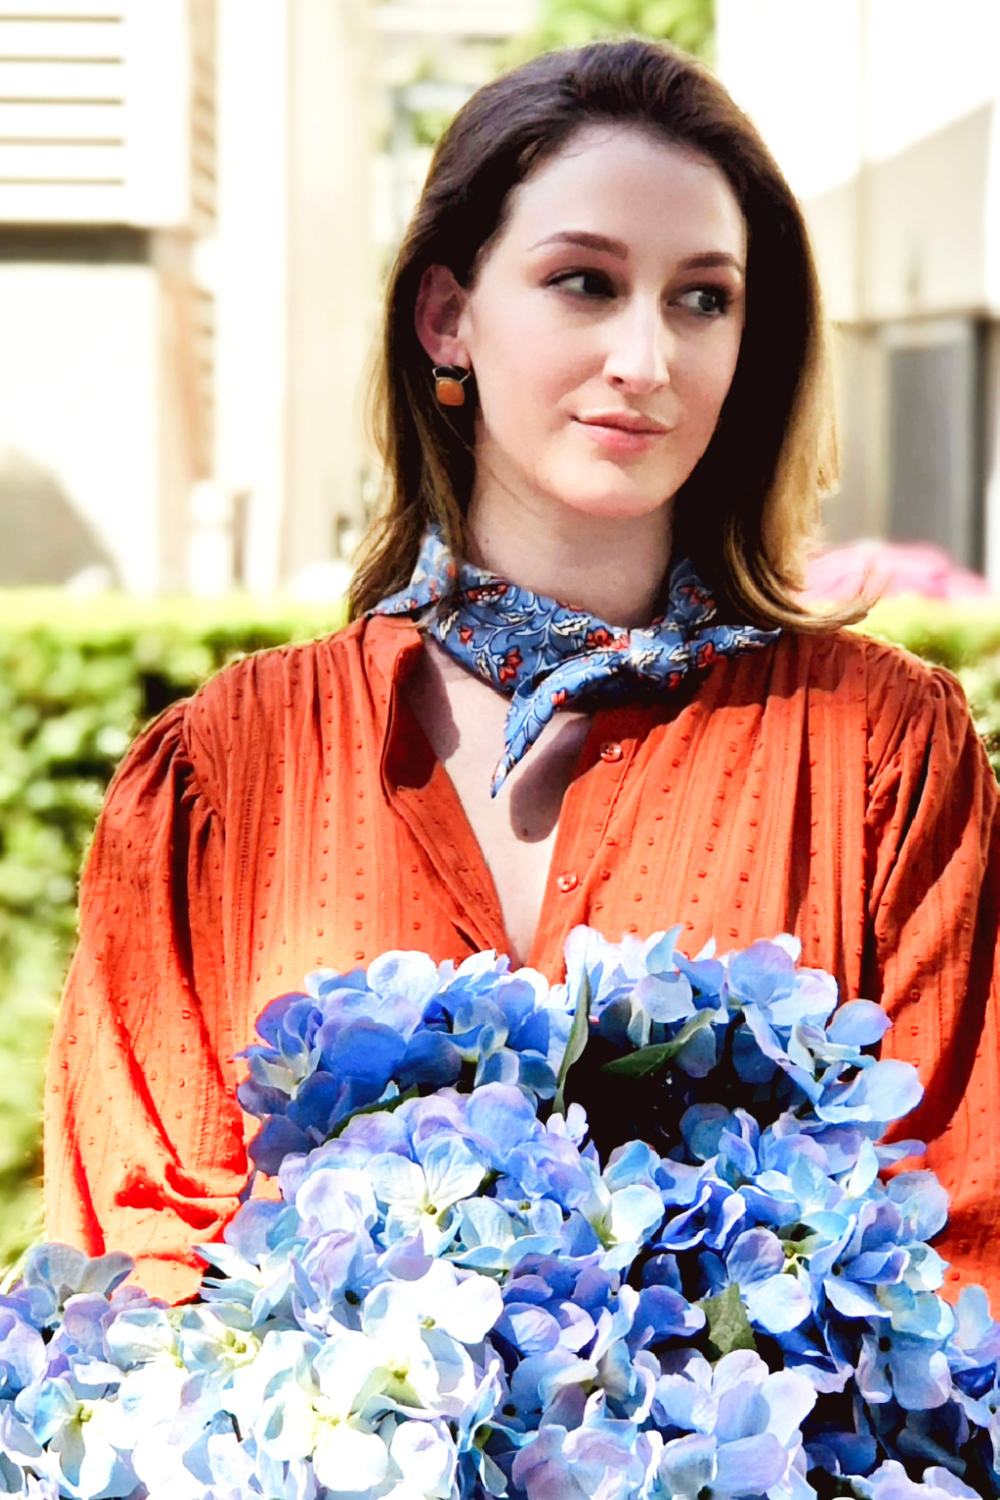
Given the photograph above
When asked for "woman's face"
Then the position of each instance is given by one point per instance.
(603, 325)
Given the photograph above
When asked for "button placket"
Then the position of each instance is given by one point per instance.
(607, 758)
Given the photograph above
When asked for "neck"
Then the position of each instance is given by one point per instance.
(609, 566)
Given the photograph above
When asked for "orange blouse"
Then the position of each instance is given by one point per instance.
(292, 815)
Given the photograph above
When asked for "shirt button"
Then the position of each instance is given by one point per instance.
(567, 882)
(611, 750)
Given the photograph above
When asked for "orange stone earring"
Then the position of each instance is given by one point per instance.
(449, 384)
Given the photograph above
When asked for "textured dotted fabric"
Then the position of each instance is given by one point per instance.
(292, 815)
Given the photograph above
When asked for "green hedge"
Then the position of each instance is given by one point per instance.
(965, 639)
(78, 679)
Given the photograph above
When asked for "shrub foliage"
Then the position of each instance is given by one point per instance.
(77, 681)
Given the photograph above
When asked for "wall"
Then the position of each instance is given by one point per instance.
(332, 272)
(882, 115)
(107, 175)
(246, 264)
(885, 117)
(80, 397)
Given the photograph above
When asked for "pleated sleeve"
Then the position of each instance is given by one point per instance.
(143, 1137)
(933, 853)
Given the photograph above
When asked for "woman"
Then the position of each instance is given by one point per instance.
(603, 386)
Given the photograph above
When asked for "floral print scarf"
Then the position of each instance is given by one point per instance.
(545, 656)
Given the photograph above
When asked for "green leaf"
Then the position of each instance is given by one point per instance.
(726, 1324)
(372, 1109)
(568, 23)
(578, 1036)
(648, 1060)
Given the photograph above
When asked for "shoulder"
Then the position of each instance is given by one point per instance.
(271, 705)
(284, 680)
(265, 683)
(187, 752)
(905, 700)
(892, 678)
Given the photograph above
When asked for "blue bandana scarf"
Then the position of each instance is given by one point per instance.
(545, 656)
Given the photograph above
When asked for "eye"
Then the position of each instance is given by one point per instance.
(706, 301)
(589, 284)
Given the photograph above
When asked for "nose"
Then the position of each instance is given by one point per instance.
(641, 348)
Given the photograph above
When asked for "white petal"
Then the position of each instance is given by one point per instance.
(425, 1456)
(398, 1180)
(342, 1366)
(790, 1398)
(634, 1211)
(471, 1310)
(390, 1309)
(452, 1171)
(287, 1424)
(348, 1459)
(779, 1303)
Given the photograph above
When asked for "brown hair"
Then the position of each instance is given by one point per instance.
(747, 512)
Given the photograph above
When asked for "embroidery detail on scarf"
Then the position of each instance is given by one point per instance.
(545, 656)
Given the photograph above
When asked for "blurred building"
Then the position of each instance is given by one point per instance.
(185, 278)
(294, 273)
(885, 117)
(198, 201)
(107, 183)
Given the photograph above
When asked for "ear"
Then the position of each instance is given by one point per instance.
(436, 316)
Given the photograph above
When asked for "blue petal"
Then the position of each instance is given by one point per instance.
(778, 1304)
(249, 1231)
(756, 1255)
(269, 1022)
(260, 1099)
(661, 1314)
(665, 998)
(367, 1053)
(318, 1103)
(764, 972)
(750, 1062)
(277, 1138)
(688, 1465)
(750, 1466)
(432, 1061)
(530, 1329)
(886, 1091)
(922, 1201)
(698, 1056)
(502, 1117)
(859, 1023)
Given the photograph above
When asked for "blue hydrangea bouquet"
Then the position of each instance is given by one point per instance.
(624, 1238)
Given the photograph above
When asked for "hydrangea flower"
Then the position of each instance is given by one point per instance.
(742, 1426)
(459, 1295)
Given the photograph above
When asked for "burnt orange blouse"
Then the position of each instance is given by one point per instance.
(292, 814)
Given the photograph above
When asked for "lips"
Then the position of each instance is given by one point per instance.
(626, 421)
(622, 435)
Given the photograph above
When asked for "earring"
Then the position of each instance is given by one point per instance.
(449, 384)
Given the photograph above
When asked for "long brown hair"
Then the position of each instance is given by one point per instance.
(748, 510)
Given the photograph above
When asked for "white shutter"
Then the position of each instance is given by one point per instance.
(107, 112)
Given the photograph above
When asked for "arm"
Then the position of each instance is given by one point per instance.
(144, 1145)
(934, 883)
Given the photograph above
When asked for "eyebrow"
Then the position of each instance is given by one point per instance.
(711, 259)
(708, 260)
(587, 241)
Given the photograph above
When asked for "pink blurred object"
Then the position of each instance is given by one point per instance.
(884, 569)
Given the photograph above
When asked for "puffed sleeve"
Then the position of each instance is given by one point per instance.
(144, 1145)
(933, 851)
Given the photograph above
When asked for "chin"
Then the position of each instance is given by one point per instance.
(621, 503)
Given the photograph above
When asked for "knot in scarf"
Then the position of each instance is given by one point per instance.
(545, 656)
